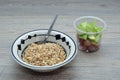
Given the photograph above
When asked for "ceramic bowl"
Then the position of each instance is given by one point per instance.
(38, 35)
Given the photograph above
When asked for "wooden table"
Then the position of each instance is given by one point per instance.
(101, 65)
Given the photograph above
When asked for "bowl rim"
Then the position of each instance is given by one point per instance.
(43, 67)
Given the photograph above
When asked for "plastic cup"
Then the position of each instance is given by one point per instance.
(93, 39)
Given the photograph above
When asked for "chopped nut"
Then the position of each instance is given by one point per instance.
(44, 54)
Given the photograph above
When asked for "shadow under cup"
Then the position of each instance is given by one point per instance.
(93, 40)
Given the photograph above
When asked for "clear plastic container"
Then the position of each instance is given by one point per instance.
(93, 39)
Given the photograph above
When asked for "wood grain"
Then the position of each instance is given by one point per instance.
(20, 16)
(101, 65)
(62, 7)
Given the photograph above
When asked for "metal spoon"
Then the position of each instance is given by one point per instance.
(48, 33)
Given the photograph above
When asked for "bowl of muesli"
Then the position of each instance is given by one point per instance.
(59, 50)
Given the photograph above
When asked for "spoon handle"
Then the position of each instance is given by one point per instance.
(49, 30)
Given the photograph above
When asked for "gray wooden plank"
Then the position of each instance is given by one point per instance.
(63, 7)
(70, 73)
(101, 65)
